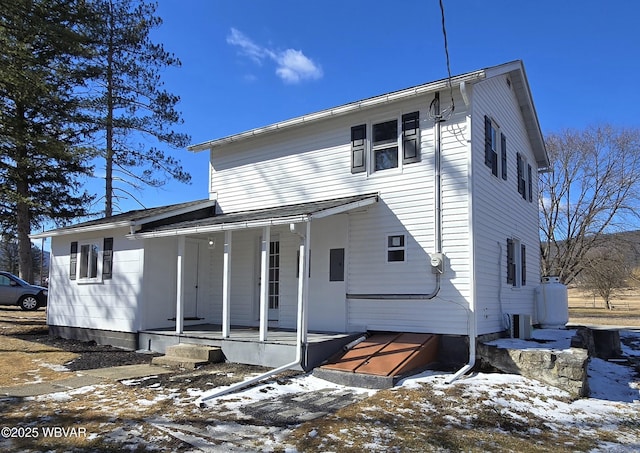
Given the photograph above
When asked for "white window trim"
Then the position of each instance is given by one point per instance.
(382, 118)
(517, 259)
(498, 149)
(98, 242)
(388, 248)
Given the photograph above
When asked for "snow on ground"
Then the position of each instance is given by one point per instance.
(615, 397)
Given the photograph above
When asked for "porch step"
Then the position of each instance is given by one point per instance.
(188, 356)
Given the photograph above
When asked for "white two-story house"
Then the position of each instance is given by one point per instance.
(413, 211)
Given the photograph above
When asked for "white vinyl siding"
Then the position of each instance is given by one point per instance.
(112, 304)
(513, 218)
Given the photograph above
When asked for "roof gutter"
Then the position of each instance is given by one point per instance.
(203, 229)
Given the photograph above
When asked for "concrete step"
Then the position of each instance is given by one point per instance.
(195, 351)
(188, 356)
(177, 362)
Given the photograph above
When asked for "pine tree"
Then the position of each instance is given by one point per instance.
(41, 54)
(129, 104)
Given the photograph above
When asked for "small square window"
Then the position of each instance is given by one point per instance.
(396, 248)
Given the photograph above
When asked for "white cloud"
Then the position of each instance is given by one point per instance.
(247, 47)
(293, 66)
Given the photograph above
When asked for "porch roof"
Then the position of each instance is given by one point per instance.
(279, 215)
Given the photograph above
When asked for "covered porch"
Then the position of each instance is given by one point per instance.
(259, 306)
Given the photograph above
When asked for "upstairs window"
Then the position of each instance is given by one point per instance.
(491, 145)
(385, 145)
(525, 178)
(495, 144)
(391, 143)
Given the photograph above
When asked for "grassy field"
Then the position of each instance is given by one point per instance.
(584, 309)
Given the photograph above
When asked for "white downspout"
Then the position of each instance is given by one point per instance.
(301, 333)
(471, 311)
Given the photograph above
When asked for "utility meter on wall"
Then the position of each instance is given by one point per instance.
(437, 263)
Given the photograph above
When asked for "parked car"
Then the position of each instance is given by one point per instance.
(15, 291)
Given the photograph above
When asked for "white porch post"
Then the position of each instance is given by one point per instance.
(303, 287)
(226, 286)
(180, 286)
(264, 283)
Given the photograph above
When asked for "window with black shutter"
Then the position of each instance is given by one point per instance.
(511, 263)
(491, 145)
(358, 148)
(107, 258)
(411, 137)
(521, 178)
(488, 134)
(73, 261)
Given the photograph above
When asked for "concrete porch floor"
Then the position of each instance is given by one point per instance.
(244, 345)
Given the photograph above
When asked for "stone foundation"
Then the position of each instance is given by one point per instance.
(565, 369)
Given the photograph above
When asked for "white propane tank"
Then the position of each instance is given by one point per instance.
(552, 303)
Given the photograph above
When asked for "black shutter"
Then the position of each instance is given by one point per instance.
(107, 259)
(488, 153)
(521, 182)
(523, 263)
(511, 265)
(503, 153)
(411, 137)
(530, 182)
(358, 148)
(73, 261)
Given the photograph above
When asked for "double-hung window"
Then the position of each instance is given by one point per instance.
(495, 144)
(91, 261)
(385, 144)
(516, 263)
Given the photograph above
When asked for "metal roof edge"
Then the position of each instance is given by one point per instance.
(341, 110)
(107, 225)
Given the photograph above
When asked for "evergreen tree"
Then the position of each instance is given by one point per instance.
(130, 107)
(41, 50)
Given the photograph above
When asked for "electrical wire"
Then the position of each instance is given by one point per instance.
(446, 113)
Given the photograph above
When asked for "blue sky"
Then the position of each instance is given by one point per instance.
(252, 63)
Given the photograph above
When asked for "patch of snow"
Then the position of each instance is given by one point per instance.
(52, 366)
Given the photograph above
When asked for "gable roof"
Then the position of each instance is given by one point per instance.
(515, 69)
(133, 218)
